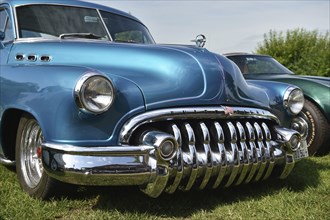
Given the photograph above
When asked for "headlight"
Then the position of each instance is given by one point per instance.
(94, 93)
(293, 100)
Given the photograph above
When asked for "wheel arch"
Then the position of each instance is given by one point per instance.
(317, 105)
(9, 125)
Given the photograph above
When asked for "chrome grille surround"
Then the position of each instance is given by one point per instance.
(215, 148)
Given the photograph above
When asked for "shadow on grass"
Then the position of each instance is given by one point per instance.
(180, 204)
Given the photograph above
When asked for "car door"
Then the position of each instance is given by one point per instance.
(6, 42)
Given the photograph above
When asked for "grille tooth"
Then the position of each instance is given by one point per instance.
(205, 158)
(190, 158)
(232, 154)
(244, 154)
(177, 163)
(219, 155)
(261, 151)
(253, 152)
(269, 151)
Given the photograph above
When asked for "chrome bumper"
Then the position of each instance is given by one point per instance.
(145, 167)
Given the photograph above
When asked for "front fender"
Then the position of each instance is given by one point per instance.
(47, 93)
(275, 92)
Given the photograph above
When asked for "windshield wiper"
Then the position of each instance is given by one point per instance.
(127, 41)
(80, 35)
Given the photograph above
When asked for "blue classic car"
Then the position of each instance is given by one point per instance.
(88, 98)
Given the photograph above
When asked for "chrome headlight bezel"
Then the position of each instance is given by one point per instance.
(293, 100)
(94, 93)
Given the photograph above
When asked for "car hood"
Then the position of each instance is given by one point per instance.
(166, 75)
(318, 79)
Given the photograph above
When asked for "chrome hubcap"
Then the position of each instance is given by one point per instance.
(300, 124)
(30, 153)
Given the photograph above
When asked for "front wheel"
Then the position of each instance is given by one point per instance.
(318, 127)
(30, 172)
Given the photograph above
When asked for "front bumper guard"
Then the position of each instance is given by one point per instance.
(144, 165)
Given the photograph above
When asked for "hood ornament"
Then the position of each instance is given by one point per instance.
(200, 40)
(228, 110)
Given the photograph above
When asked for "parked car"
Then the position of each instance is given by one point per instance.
(316, 109)
(88, 98)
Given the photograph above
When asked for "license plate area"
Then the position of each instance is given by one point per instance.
(302, 152)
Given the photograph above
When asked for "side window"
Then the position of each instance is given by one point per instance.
(3, 19)
(6, 25)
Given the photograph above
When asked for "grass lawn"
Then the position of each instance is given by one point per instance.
(305, 194)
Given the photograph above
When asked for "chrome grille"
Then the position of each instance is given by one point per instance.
(215, 149)
(217, 153)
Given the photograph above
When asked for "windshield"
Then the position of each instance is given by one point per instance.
(124, 29)
(259, 65)
(48, 21)
(56, 21)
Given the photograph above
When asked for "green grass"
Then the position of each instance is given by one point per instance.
(305, 194)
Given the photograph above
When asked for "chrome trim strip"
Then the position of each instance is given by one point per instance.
(117, 165)
(98, 151)
(104, 25)
(6, 162)
(190, 113)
